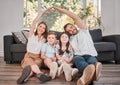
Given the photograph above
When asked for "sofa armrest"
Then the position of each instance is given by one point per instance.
(116, 40)
(8, 41)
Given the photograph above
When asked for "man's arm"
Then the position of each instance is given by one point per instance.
(76, 18)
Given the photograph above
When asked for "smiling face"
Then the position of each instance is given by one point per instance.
(71, 29)
(64, 38)
(41, 29)
(51, 38)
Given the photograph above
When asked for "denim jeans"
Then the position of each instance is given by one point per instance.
(81, 62)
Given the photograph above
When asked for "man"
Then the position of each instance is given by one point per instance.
(84, 50)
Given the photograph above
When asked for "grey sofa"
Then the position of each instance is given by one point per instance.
(108, 47)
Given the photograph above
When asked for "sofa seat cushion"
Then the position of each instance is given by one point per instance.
(105, 46)
(18, 48)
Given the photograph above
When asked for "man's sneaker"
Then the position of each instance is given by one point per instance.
(87, 76)
(98, 69)
(53, 69)
(74, 72)
(60, 70)
(43, 77)
(25, 74)
(67, 71)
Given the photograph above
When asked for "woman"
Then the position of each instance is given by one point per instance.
(32, 60)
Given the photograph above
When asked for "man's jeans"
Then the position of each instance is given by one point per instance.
(81, 62)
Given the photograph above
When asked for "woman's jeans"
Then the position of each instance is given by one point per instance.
(81, 62)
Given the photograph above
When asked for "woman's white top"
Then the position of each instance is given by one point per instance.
(34, 44)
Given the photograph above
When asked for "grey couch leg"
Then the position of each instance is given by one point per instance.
(117, 62)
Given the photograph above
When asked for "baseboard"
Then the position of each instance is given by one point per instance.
(1, 53)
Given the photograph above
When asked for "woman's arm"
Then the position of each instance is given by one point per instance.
(76, 18)
(33, 26)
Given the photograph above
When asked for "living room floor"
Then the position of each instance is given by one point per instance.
(9, 73)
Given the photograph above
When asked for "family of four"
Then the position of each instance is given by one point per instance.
(74, 49)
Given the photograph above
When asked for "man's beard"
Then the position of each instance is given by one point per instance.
(75, 32)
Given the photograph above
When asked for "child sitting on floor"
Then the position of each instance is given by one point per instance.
(48, 54)
(65, 57)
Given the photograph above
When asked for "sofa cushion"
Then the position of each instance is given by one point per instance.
(105, 46)
(19, 37)
(96, 35)
(25, 33)
(18, 48)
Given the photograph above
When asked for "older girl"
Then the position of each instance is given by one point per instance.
(65, 57)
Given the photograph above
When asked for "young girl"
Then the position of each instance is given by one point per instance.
(48, 54)
(65, 56)
(32, 60)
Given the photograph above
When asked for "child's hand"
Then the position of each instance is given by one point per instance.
(54, 59)
(57, 42)
(62, 58)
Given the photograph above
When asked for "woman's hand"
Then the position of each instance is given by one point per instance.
(40, 15)
(48, 9)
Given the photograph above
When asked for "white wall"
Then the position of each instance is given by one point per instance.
(110, 11)
(11, 18)
(117, 16)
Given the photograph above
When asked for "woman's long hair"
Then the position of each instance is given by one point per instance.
(46, 28)
(67, 45)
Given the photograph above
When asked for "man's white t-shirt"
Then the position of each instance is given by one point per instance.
(34, 45)
(82, 43)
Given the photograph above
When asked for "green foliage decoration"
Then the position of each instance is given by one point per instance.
(56, 20)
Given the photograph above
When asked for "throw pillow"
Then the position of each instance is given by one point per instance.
(19, 37)
(25, 33)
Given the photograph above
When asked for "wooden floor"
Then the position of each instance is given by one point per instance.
(9, 73)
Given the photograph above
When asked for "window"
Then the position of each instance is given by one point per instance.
(30, 11)
(57, 20)
(89, 10)
(93, 14)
